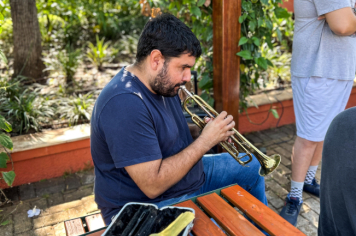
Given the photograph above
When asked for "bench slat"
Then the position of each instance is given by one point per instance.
(266, 218)
(226, 216)
(74, 227)
(203, 226)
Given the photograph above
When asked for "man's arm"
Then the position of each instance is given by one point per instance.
(342, 21)
(155, 177)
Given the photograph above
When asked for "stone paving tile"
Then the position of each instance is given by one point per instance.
(78, 194)
(280, 178)
(309, 230)
(59, 229)
(16, 208)
(50, 186)
(313, 204)
(282, 169)
(302, 222)
(64, 206)
(55, 199)
(72, 182)
(76, 212)
(274, 200)
(277, 189)
(27, 191)
(312, 216)
(284, 153)
(89, 204)
(8, 229)
(22, 223)
(50, 219)
(45, 231)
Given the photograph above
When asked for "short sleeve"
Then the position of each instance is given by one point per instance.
(128, 129)
(326, 6)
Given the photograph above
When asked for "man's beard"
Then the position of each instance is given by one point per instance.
(162, 83)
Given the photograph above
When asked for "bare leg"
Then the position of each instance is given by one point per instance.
(303, 154)
(317, 154)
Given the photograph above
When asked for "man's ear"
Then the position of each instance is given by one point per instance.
(156, 60)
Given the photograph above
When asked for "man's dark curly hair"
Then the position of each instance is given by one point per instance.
(170, 36)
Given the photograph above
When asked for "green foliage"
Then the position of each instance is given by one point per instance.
(76, 109)
(69, 60)
(98, 54)
(76, 22)
(257, 27)
(263, 22)
(24, 108)
(5, 143)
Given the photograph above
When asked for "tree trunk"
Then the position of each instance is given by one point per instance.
(27, 41)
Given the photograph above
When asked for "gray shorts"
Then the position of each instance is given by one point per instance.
(316, 102)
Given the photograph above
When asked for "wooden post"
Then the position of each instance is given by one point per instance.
(226, 35)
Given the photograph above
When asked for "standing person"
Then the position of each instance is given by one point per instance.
(140, 141)
(338, 178)
(323, 69)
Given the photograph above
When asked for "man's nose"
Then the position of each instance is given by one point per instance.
(187, 75)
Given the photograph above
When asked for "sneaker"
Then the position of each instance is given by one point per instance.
(291, 209)
(313, 188)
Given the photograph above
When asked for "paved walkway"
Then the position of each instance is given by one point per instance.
(71, 196)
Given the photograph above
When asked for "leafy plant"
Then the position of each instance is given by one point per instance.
(76, 109)
(98, 53)
(26, 110)
(69, 60)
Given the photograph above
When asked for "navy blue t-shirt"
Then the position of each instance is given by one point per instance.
(131, 125)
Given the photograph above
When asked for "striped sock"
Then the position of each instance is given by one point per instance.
(310, 174)
(296, 190)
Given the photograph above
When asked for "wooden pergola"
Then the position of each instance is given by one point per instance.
(226, 35)
(226, 64)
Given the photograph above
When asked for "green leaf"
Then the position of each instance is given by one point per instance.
(3, 160)
(6, 222)
(6, 141)
(200, 3)
(246, 5)
(1, 17)
(279, 35)
(205, 96)
(274, 113)
(264, 2)
(245, 54)
(243, 40)
(9, 177)
(204, 81)
(196, 11)
(281, 13)
(269, 63)
(260, 22)
(262, 62)
(2, 56)
(256, 41)
(5, 125)
(252, 25)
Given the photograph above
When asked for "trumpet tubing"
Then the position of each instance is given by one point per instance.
(268, 164)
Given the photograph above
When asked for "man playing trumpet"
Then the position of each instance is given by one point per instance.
(140, 141)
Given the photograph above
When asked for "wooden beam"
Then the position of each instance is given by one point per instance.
(226, 35)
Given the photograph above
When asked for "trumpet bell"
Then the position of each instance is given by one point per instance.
(268, 164)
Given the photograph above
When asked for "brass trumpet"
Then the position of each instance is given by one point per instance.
(268, 164)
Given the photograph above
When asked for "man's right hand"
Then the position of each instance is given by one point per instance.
(218, 129)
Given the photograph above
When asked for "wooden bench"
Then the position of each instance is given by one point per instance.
(220, 206)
